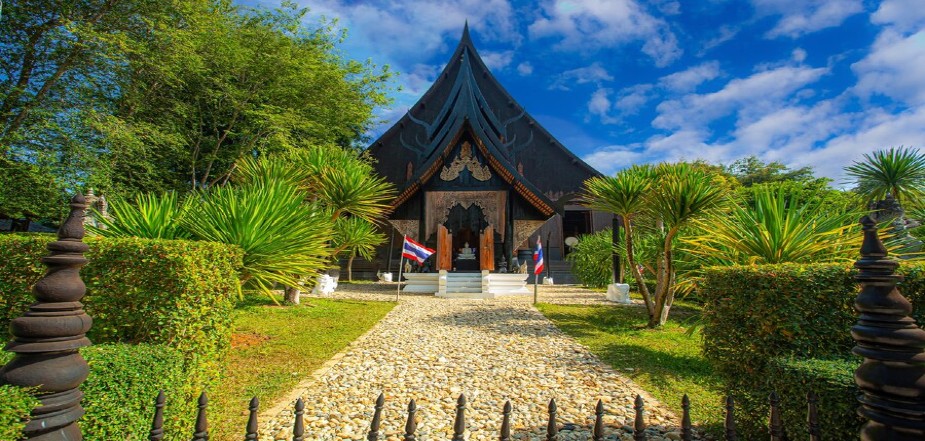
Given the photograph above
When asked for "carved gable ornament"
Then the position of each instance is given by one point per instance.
(466, 160)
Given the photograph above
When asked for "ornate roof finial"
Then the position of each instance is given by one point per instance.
(465, 36)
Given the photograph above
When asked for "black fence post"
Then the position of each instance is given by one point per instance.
(892, 375)
(46, 338)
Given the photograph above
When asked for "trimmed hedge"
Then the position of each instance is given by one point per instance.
(15, 405)
(756, 314)
(175, 293)
(119, 393)
(833, 383)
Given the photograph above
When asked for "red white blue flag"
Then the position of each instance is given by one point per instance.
(415, 251)
(538, 257)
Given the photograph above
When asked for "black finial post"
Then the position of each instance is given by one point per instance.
(157, 425)
(639, 426)
(775, 426)
(46, 338)
(298, 426)
(412, 424)
(201, 430)
(892, 375)
(506, 422)
(729, 423)
(250, 433)
(459, 425)
(687, 431)
(597, 433)
(552, 428)
(812, 417)
(373, 434)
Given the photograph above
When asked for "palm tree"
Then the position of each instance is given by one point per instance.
(625, 196)
(148, 216)
(899, 172)
(683, 194)
(356, 237)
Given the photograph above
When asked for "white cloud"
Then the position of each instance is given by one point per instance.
(525, 69)
(748, 97)
(798, 55)
(600, 102)
(591, 24)
(903, 15)
(595, 73)
(497, 60)
(633, 98)
(688, 79)
(610, 159)
(806, 16)
(895, 67)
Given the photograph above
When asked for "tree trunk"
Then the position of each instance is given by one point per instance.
(640, 283)
(293, 295)
(350, 268)
(664, 286)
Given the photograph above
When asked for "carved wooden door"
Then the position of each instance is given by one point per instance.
(444, 249)
(487, 249)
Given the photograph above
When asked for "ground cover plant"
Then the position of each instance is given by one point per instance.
(274, 348)
(667, 362)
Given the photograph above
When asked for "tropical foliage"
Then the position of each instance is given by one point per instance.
(777, 227)
(148, 216)
(896, 171)
(663, 200)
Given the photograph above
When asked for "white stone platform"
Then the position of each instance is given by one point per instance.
(456, 285)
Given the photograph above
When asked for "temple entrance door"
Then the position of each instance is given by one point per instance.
(465, 250)
(444, 249)
(487, 249)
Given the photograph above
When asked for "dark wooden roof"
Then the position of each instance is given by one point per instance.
(467, 97)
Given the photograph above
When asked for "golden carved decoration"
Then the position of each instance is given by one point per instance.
(406, 227)
(439, 204)
(523, 229)
(466, 160)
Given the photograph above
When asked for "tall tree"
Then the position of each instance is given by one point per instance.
(899, 172)
(752, 170)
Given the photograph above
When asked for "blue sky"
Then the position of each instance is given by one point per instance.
(803, 82)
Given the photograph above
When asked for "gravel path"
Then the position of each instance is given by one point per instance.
(432, 350)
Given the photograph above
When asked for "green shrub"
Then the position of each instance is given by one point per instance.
(119, 393)
(833, 383)
(592, 259)
(755, 314)
(15, 405)
(176, 293)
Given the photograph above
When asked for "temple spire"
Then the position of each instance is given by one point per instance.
(465, 36)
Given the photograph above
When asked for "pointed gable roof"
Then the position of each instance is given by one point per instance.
(467, 98)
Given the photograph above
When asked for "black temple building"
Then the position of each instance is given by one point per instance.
(478, 178)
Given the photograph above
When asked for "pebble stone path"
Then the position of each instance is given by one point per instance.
(432, 350)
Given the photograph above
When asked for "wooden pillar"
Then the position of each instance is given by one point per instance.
(892, 375)
(46, 338)
(510, 248)
(487, 249)
(444, 249)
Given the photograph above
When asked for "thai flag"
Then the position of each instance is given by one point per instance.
(538, 257)
(415, 251)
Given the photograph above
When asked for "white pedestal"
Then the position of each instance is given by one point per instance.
(325, 286)
(385, 277)
(619, 292)
(548, 281)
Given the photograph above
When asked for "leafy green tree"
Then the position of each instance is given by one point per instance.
(27, 190)
(355, 236)
(751, 170)
(149, 216)
(896, 171)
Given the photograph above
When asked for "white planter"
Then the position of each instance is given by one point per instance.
(619, 292)
(385, 277)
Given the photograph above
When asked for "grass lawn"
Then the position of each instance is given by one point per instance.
(274, 348)
(665, 362)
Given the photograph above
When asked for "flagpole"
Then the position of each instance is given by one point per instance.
(400, 267)
(536, 278)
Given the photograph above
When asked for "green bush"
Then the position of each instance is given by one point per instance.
(755, 314)
(833, 383)
(119, 393)
(592, 258)
(15, 405)
(176, 293)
